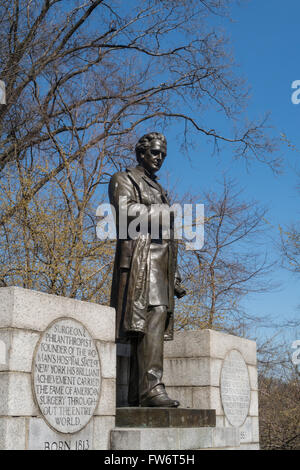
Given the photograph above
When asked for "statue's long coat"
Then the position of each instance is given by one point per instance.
(130, 285)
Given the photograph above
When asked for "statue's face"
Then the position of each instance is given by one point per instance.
(153, 157)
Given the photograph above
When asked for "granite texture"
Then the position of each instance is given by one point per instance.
(31, 310)
(174, 438)
(193, 365)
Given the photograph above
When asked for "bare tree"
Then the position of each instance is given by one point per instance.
(79, 74)
(50, 244)
(230, 265)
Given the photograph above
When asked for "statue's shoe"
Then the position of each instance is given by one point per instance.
(162, 401)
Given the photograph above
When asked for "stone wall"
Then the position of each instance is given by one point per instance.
(24, 316)
(193, 367)
(193, 370)
(203, 369)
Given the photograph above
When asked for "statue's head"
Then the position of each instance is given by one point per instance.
(151, 151)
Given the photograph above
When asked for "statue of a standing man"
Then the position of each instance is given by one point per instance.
(145, 277)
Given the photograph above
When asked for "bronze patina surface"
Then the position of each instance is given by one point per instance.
(145, 277)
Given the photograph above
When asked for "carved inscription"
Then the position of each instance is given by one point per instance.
(66, 375)
(235, 388)
(41, 437)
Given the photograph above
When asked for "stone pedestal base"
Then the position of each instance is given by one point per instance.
(173, 429)
(205, 370)
(212, 370)
(52, 346)
(175, 438)
(164, 417)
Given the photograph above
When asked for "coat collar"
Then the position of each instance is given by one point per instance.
(146, 173)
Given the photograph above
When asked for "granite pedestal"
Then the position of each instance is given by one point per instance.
(58, 383)
(41, 365)
(206, 370)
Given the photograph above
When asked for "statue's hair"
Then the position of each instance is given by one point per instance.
(145, 142)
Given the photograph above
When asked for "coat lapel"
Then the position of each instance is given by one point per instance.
(138, 174)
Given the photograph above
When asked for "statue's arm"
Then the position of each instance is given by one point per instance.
(124, 197)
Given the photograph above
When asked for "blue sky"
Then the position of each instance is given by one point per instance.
(271, 29)
(264, 39)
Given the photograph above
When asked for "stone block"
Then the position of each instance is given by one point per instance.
(3, 353)
(99, 319)
(146, 439)
(188, 344)
(42, 437)
(183, 394)
(246, 435)
(12, 433)
(201, 398)
(107, 402)
(222, 343)
(209, 343)
(215, 372)
(249, 431)
(174, 438)
(5, 348)
(225, 437)
(6, 306)
(102, 430)
(253, 377)
(107, 354)
(32, 310)
(253, 408)
(16, 398)
(208, 398)
(192, 439)
(220, 421)
(136, 417)
(126, 439)
(160, 439)
(181, 372)
(255, 428)
(20, 345)
(194, 372)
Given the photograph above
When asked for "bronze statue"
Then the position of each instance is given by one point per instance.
(145, 277)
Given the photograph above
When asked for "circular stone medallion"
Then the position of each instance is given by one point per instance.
(66, 375)
(235, 388)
